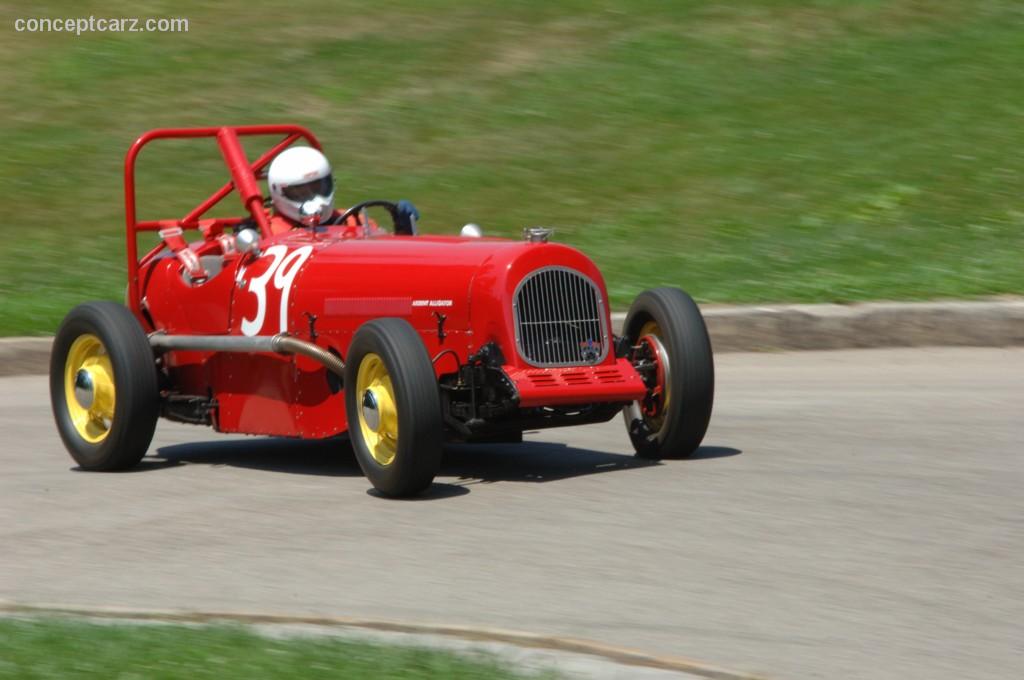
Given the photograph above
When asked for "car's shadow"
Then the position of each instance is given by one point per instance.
(544, 461)
(330, 457)
(468, 464)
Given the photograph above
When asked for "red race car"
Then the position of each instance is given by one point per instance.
(329, 323)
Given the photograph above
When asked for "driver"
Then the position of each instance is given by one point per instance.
(302, 192)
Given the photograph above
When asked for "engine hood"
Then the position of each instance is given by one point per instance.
(470, 281)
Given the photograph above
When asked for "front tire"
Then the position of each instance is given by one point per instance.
(393, 407)
(103, 387)
(672, 352)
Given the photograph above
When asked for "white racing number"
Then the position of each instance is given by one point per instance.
(282, 272)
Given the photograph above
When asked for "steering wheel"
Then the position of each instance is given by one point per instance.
(402, 223)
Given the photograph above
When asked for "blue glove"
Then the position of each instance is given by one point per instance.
(405, 222)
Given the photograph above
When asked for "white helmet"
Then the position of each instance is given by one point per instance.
(301, 185)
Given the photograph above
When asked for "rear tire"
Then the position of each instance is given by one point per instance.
(671, 421)
(393, 407)
(103, 387)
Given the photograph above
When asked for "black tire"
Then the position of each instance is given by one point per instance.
(96, 444)
(416, 446)
(675, 320)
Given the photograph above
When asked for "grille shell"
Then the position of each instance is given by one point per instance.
(560, 319)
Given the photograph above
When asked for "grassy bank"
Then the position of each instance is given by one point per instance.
(57, 649)
(763, 150)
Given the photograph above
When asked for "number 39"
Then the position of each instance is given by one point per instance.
(283, 270)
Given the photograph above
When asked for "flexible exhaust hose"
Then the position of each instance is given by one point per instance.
(285, 344)
(278, 344)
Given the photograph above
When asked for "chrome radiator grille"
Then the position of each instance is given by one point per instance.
(560, 319)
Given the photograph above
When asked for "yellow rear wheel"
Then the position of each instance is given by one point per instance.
(103, 386)
(89, 388)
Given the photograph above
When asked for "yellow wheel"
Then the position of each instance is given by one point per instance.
(672, 353)
(393, 407)
(378, 415)
(89, 388)
(103, 386)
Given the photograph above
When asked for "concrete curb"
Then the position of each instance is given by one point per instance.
(24, 356)
(617, 655)
(984, 323)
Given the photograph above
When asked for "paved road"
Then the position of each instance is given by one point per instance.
(854, 514)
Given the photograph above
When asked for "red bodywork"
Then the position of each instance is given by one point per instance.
(321, 285)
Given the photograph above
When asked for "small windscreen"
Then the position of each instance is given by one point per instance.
(309, 190)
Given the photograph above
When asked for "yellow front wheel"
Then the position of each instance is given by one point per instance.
(103, 387)
(378, 413)
(393, 407)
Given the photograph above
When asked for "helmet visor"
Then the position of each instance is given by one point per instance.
(301, 193)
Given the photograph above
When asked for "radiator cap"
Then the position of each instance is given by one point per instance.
(537, 234)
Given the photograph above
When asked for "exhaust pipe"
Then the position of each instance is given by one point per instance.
(282, 343)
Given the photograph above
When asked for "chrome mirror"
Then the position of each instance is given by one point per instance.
(471, 231)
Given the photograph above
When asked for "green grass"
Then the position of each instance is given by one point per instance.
(747, 151)
(67, 650)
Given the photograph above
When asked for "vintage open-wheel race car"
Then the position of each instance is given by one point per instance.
(298, 333)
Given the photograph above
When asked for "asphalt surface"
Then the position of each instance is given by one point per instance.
(854, 514)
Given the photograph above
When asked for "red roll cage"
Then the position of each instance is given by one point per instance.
(244, 176)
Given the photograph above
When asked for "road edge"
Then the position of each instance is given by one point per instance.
(759, 328)
(975, 323)
(619, 655)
